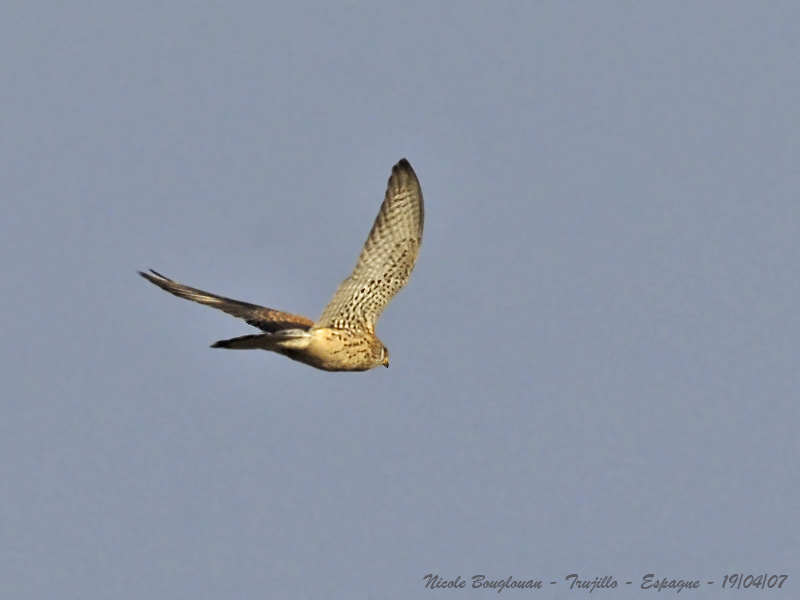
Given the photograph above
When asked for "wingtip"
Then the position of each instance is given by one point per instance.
(403, 167)
(153, 274)
(156, 278)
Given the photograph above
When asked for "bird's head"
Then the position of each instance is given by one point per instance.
(384, 356)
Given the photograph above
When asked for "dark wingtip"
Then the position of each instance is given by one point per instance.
(404, 167)
(155, 275)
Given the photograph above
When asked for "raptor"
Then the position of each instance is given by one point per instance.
(343, 338)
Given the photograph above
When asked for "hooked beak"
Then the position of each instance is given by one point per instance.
(386, 362)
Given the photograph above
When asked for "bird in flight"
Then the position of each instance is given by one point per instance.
(343, 338)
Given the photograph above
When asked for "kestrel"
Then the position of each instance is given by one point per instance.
(343, 338)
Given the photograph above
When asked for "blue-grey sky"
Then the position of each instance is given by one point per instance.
(595, 365)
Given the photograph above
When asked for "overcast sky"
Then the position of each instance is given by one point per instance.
(595, 365)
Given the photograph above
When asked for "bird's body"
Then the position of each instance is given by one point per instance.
(343, 339)
(325, 348)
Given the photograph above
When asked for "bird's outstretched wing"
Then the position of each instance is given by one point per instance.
(386, 260)
(266, 319)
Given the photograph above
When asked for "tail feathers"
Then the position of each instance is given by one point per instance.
(258, 341)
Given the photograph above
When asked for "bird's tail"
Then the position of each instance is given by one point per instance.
(286, 339)
(258, 341)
